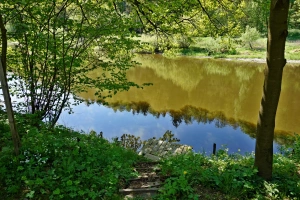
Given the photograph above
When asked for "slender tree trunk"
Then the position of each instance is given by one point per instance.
(277, 33)
(3, 79)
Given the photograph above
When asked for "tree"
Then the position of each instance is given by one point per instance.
(5, 90)
(277, 33)
(60, 43)
(257, 12)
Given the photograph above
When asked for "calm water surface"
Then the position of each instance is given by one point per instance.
(202, 101)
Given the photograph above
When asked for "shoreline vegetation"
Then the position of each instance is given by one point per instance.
(219, 48)
(60, 163)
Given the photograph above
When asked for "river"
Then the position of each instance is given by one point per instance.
(202, 101)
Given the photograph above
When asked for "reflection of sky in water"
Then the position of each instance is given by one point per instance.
(200, 136)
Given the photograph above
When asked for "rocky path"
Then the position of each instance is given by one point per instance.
(146, 184)
(149, 181)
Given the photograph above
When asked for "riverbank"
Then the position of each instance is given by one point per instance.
(60, 163)
(221, 48)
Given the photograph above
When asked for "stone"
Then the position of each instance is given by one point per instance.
(152, 157)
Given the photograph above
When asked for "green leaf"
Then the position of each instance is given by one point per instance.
(69, 182)
(30, 194)
(56, 191)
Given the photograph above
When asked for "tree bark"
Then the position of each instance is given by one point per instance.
(4, 44)
(4, 85)
(277, 33)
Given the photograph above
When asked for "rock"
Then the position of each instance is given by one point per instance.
(152, 157)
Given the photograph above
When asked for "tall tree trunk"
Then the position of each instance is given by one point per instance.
(277, 33)
(3, 79)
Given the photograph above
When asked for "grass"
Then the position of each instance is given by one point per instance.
(62, 164)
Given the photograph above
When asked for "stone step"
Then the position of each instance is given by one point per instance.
(151, 184)
(137, 191)
(145, 177)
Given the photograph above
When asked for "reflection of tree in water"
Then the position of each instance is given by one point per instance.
(189, 114)
(176, 117)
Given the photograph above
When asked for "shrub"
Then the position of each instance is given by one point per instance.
(212, 45)
(220, 45)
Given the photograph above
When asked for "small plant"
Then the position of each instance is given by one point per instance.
(177, 188)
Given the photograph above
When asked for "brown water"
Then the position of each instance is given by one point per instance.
(197, 93)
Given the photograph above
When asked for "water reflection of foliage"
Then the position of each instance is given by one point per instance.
(189, 114)
(186, 73)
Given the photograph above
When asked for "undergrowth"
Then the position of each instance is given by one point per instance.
(62, 164)
(231, 174)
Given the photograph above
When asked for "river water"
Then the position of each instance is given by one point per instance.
(202, 101)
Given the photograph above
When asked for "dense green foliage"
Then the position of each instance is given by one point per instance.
(233, 175)
(62, 164)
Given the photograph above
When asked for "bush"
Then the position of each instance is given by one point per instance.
(212, 45)
(249, 36)
(220, 45)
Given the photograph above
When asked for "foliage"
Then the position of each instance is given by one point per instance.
(250, 36)
(59, 44)
(233, 175)
(256, 15)
(177, 188)
(63, 164)
(220, 45)
(294, 14)
(294, 34)
(131, 142)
